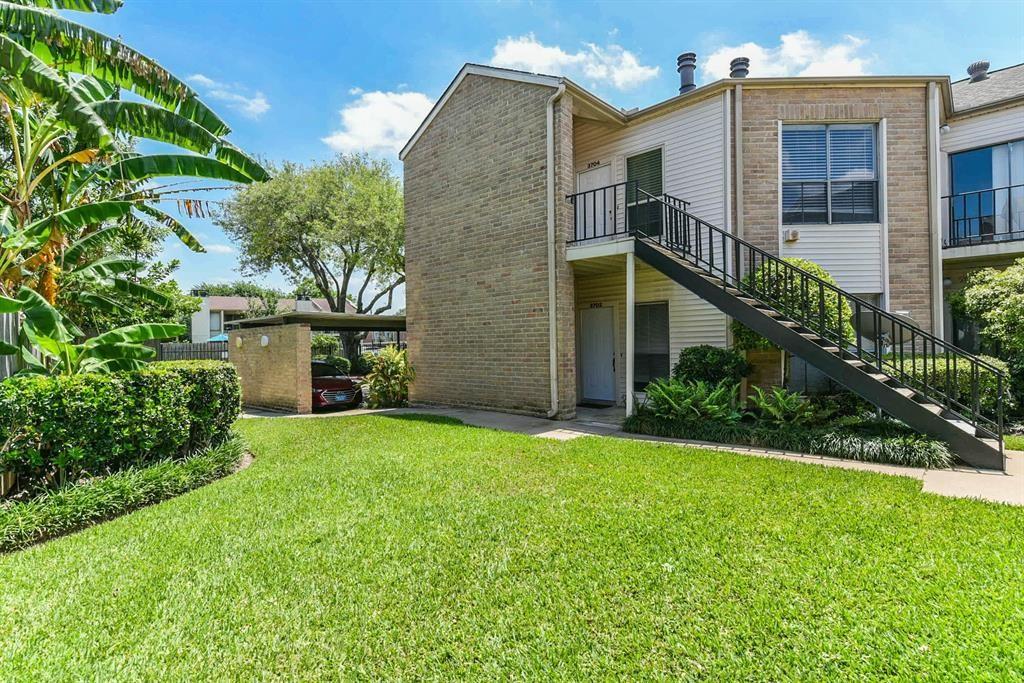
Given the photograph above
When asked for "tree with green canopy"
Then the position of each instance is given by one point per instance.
(334, 222)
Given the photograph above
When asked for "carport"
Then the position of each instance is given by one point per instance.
(272, 354)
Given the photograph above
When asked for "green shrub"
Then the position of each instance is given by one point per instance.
(362, 365)
(55, 429)
(75, 506)
(671, 399)
(710, 364)
(786, 291)
(341, 363)
(388, 380)
(938, 372)
(325, 345)
(781, 407)
(870, 443)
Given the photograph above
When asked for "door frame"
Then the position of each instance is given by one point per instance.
(615, 349)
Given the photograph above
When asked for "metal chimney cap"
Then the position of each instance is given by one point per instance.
(686, 59)
(978, 71)
(739, 67)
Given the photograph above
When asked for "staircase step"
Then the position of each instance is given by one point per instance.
(878, 377)
(933, 408)
(790, 323)
(904, 391)
(962, 425)
(831, 349)
(855, 362)
(810, 335)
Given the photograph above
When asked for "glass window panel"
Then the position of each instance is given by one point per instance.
(851, 151)
(803, 153)
(646, 170)
(971, 171)
(651, 344)
(804, 203)
(854, 202)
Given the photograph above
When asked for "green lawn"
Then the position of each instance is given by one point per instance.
(383, 547)
(1014, 442)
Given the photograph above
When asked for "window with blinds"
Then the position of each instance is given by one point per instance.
(650, 344)
(645, 170)
(829, 174)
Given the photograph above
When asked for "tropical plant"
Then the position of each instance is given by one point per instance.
(671, 399)
(46, 340)
(711, 364)
(74, 181)
(389, 378)
(781, 407)
(789, 298)
(335, 221)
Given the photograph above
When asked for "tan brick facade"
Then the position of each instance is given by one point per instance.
(278, 375)
(476, 255)
(904, 109)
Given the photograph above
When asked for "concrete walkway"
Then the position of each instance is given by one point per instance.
(958, 482)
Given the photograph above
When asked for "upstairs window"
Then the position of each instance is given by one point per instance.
(829, 174)
(645, 170)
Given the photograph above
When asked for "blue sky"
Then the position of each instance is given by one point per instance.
(302, 80)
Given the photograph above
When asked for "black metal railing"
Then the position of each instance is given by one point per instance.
(618, 210)
(941, 372)
(985, 216)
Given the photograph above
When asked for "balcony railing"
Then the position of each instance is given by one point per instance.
(985, 217)
(617, 211)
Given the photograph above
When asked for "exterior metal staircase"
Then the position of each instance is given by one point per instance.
(892, 363)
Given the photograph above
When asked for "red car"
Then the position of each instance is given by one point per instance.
(333, 388)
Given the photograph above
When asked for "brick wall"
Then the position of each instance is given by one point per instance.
(277, 375)
(904, 109)
(476, 255)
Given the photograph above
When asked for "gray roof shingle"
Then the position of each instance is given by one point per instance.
(1000, 85)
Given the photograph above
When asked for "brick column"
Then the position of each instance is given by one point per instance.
(273, 364)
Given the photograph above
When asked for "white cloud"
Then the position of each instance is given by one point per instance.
(355, 91)
(379, 122)
(611, 64)
(220, 248)
(797, 54)
(233, 95)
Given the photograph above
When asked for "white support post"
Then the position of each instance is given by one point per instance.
(630, 323)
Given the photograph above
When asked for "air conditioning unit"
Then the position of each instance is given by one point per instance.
(790, 235)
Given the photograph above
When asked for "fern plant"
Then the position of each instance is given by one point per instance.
(781, 407)
(674, 400)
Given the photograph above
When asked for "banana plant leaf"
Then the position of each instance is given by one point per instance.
(105, 267)
(83, 215)
(9, 305)
(135, 334)
(74, 254)
(175, 225)
(39, 78)
(99, 6)
(79, 49)
(93, 90)
(42, 319)
(139, 291)
(119, 350)
(149, 166)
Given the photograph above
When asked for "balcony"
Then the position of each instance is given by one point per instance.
(617, 211)
(984, 223)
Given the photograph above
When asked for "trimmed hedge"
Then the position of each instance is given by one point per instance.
(73, 507)
(711, 364)
(937, 370)
(882, 441)
(58, 429)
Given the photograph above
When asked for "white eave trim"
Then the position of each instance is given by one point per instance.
(476, 70)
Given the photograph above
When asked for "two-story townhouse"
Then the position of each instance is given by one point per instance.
(562, 251)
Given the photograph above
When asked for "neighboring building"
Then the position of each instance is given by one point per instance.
(982, 186)
(208, 322)
(535, 211)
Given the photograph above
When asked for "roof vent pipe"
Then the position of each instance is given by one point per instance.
(739, 67)
(978, 71)
(685, 65)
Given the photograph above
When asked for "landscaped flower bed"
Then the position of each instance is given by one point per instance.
(701, 402)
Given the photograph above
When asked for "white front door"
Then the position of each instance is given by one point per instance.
(597, 354)
(595, 211)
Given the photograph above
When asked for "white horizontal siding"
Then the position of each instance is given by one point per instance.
(691, 320)
(693, 143)
(852, 254)
(694, 169)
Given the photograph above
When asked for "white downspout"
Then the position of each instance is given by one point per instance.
(552, 314)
